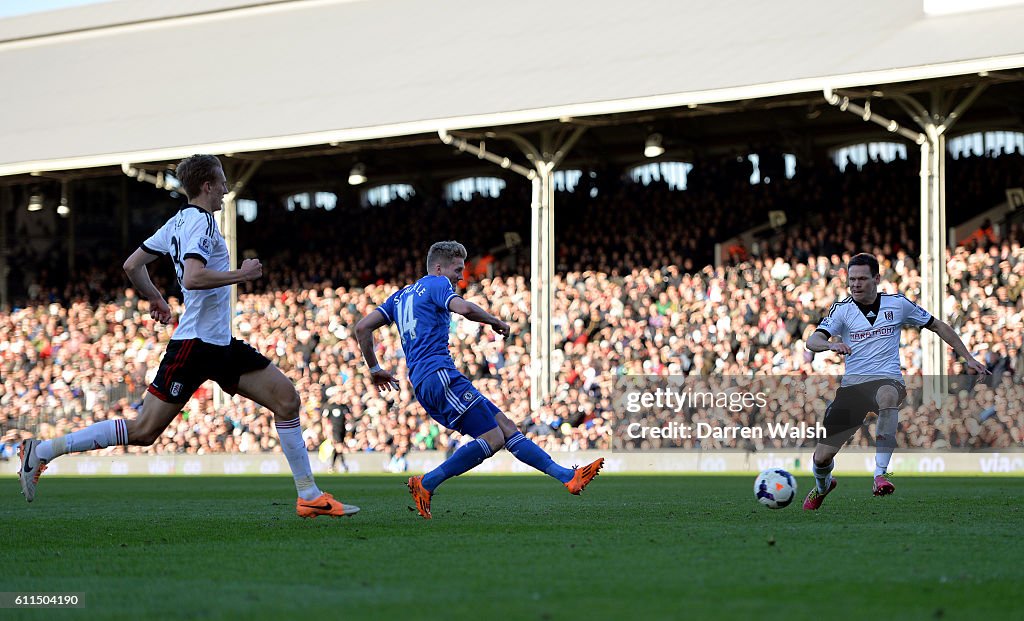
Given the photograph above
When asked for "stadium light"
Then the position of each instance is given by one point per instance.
(35, 202)
(357, 175)
(62, 209)
(653, 148)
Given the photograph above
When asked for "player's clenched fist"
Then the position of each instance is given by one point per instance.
(501, 328)
(840, 348)
(251, 269)
(975, 367)
(159, 310)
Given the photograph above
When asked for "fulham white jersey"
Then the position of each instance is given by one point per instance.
(193, 233)
(873, 334)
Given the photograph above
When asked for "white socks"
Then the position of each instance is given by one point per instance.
(885, 438)
(294, 448)
(823, 475)
(97, 436)
(115, 432)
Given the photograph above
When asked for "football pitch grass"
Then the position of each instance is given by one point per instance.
(516, 547)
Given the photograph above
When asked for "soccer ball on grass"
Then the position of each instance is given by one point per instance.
(775, 488)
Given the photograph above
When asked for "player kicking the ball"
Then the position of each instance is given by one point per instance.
(869, 325)
(201, 348)
(422, 312)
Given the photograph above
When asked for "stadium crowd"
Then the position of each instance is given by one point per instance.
(644, 301)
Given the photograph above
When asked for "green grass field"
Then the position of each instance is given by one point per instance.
(516, 547)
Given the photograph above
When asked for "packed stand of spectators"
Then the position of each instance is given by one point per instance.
(621, 307)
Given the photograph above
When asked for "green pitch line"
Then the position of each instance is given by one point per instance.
(516, 547)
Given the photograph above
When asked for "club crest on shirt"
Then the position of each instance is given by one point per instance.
(467, 396)
(175, 389)
(888, 315)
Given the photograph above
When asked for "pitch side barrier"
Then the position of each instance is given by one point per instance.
(680, 461)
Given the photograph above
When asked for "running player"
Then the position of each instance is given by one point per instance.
(868, 324)
(422, 312)
(201, 348)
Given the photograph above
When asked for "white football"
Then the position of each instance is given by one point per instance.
(775, 488)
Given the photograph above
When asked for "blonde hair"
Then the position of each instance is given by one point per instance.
(444, 252)
(194, 171)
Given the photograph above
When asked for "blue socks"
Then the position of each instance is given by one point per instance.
(473, 454)
(466, 458)
(531, 454)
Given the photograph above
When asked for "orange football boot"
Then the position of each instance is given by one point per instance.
(325, 504)
(582, 476)
(420, 495)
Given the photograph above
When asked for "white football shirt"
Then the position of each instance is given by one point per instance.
(873, 334)
(193, 233)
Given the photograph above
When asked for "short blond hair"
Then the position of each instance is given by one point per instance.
(444, 252)
(193, 172)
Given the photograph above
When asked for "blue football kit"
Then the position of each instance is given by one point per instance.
(420, 312)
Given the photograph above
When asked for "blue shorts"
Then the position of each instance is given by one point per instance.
(452, 400)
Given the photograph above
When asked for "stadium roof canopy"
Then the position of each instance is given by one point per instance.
(149, 80)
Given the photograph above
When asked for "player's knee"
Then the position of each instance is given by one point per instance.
(887, 397)
(143, 435)
(495, 439)
(823, 457)
(507, 427)
(288, 404)
(496, 444)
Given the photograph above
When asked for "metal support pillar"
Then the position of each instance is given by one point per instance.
(228, 218)
(542, 274)
(935, 124)
(227, 221)
(933, 257)
(228, 224)
(542, 242)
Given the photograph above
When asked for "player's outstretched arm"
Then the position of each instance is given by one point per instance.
(137, 269)
(382, 378)
(819, 342)
(198, 277)
(475, 313)
(947, 334)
